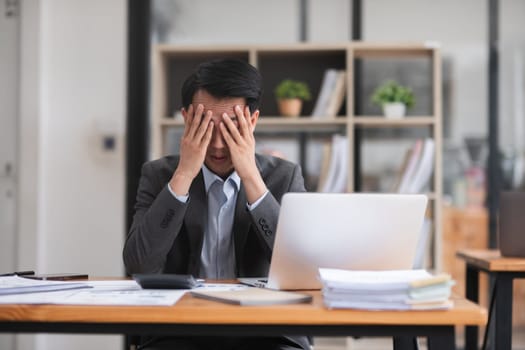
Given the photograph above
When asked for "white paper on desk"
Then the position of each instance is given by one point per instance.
(37, 298)
(142, 297)
(221, 286)
(370, 281)
(114, 285)
(112, 292)
(365, 305)
(108, 292)
(19, 285)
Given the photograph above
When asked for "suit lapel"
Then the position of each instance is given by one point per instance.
(195, 221)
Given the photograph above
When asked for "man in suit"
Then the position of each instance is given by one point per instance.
(212, 211)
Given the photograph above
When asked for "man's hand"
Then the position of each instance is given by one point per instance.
(193, 145)
(241, 143)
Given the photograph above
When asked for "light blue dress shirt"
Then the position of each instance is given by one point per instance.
(218, 250)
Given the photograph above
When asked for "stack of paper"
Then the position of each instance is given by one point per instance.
(19, 285)
(385, 290)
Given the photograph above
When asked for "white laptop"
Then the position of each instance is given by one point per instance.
(358, 231)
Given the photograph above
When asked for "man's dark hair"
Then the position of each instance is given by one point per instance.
(225, 78)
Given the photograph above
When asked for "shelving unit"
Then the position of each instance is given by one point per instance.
(308, 62)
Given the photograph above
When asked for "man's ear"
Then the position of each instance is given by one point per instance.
(184, 113)
(255, 117)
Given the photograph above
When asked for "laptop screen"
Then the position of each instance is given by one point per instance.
(359, 231)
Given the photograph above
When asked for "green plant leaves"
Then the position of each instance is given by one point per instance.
(391, 91)
(292, 89)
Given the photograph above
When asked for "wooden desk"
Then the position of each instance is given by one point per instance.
(192, 316)
(503, 271)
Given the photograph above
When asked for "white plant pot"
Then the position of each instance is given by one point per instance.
(395, 110)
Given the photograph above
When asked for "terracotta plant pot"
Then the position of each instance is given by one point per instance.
(290, 107)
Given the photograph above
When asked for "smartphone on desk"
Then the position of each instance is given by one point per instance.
(58, 276)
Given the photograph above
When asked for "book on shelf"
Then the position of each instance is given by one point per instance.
(408, 168)
(251, 296)
(326, 152)
(402, 170)
(416, 169)
(331, 94)
(335, 170)
(386, 289)
(424, 169)
(338, 95)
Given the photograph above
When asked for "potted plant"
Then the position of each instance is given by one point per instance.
(394, 98)
(290, 95)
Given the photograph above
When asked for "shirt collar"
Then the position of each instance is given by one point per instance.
(210, 177)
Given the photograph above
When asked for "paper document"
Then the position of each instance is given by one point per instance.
(114, 285)
(365, 305)
(20, 285)
(105, 292)
(379, 280)
(142, 297)
(220, 286)
(385, 290)
(108, 292)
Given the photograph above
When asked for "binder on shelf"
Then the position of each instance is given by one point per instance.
(411, 166)
(337, 173)
(424, 169)
(325, 164)
(341, 176)
(417, 170)
(338, 95)
(331, 94)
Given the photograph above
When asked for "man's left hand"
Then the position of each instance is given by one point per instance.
(241, 143)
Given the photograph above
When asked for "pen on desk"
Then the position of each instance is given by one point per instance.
(18, 273)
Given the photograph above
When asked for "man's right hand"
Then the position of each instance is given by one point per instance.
(193, 145)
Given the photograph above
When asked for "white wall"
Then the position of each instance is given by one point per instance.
(9, 25)
(329, 20)
(8, 136)
(73, 88)
(228, 21)
(461, 28)
(512, 76)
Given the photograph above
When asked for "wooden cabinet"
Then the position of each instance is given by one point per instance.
(468, 229)
(308, 62)
(464, 229)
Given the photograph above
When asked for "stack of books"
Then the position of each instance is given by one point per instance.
(385, 290)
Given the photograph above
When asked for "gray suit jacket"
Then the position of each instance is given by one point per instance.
(166, 235)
